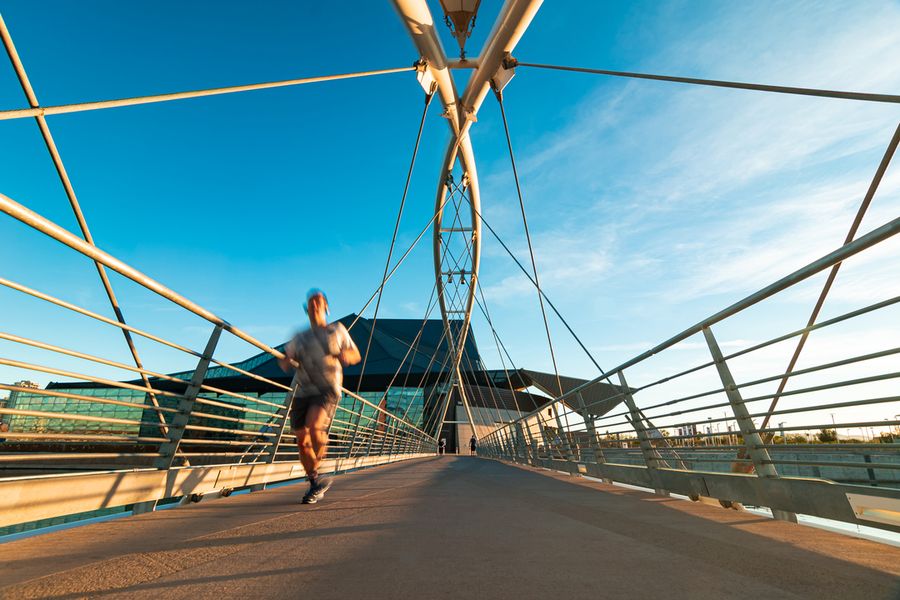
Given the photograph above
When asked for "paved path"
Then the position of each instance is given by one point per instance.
(450, 527)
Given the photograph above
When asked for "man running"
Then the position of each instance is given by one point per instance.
(320, 351)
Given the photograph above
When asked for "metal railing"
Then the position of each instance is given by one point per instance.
(832, 449)
(159, 435)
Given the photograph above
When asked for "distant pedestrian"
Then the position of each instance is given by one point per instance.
(442, 446)
(4, 427)
(320, 353)
(473, 445)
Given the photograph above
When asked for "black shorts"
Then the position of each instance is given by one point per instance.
(300, 407)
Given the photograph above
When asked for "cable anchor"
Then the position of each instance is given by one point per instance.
(504, 74)
(425, 77)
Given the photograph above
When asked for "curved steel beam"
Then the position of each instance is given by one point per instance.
(460, 112)
(511, 23)
(419, 22)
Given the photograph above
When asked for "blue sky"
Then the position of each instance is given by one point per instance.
(651, 205)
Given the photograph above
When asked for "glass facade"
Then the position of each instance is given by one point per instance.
(76, 408)
(399, 401)
(144, 422)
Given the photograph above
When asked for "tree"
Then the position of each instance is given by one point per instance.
(827, 436)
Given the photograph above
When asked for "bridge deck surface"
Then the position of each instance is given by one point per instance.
(449, 527)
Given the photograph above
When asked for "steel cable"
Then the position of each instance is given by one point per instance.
(428, 98)
(537, 281)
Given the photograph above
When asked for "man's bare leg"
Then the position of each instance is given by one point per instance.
(305, 447)
(317, 419)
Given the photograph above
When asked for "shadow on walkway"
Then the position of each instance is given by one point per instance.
(450, 527)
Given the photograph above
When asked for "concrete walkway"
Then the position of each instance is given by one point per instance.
(449, 527)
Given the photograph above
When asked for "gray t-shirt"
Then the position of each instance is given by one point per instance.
(317, 350)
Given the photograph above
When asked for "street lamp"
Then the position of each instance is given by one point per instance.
(459, 15)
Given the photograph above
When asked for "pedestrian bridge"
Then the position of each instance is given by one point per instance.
(636, 482)
(450, 527)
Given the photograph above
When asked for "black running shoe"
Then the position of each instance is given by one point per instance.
(316, 492)
(322, 486)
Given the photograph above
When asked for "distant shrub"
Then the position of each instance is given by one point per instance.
(827, 436)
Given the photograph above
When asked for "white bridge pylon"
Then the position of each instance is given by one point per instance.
(456, 272)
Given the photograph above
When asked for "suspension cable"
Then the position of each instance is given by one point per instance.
(487, 315)
(35, 111)
(778, 89)
(473, 281)
(491, 386)
(854, 227)
(430, 361)
(404, 342)
(428, 98)
(476, 282)
(508, 357)
(547, 298)
(434, 418)
(427, 371)
(412, 347)
(537, 281)
(395, 267)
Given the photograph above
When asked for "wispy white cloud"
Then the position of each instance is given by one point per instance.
(656, 204)
(718, 191)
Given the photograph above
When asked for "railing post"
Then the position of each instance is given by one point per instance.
(563, 434)
(377, 415)
(752, 440)
(355, 432)
(651, 456)
(395, 439)
(510, 446)
(589, 425)
(531, 443)
(388, 430)
(520, 441)
(168, 449)
(542, 428)
(277, 427)
(280, 420)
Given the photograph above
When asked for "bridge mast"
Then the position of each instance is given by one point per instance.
(456, 276)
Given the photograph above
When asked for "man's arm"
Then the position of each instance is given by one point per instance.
(285, 363)
(350, 356)
(349, 352)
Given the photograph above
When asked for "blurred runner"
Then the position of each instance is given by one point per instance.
(321, 352)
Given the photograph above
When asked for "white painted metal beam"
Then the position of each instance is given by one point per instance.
(513, 20)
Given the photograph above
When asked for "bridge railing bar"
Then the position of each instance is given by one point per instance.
(125, 326)
(868, 240)
(28, 217)
(254, 434)
(683, 453)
